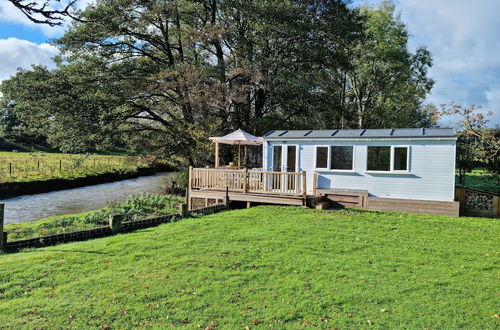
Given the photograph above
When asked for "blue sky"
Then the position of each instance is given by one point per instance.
(462, 35)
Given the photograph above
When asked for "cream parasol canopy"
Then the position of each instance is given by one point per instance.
(239, 138)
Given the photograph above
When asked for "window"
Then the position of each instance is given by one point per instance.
(341, 157)
(277, 158)
(387, 159)
(400, 159)
(321, 157)
(379, 159)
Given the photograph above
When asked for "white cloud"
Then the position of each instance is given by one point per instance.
(463, 38)
(15, 53)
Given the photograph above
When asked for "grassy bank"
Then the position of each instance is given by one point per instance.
(136, 207)
(264, 267)
(27, 167)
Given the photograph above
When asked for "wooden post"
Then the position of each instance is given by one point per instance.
(189, 201)
(10, 168)
(115, 223)
(3, 238)
(217, 162)
(226, 199)
(60, 164)
(315, 183)
(38, 165)
(239, 154)
(304, 188)
(245, 180)
(249, 205)
(183, 208)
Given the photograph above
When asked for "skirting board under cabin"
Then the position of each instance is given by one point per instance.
(413, 206)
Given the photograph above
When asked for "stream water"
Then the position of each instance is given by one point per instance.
(34, 207)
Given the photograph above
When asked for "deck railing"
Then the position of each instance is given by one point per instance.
(248, 181)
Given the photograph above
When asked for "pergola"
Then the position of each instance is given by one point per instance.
(239, 138)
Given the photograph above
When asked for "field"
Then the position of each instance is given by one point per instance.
(267, 267)
(23, 166)
(479, 179)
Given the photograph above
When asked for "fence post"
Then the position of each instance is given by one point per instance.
(3, 238)
(183, 208)
(226, 199)
(304, 188)
(190, 178)
(245, 180)
(115, 223)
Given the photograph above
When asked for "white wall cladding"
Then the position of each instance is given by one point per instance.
(431, 169)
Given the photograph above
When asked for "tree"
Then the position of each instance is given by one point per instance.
(387, 84)
(180, 71)
(50, 12)
(163, 76)
(476, 143)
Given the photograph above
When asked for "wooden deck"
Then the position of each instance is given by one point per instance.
(287, 188)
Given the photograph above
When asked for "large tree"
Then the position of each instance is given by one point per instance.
(175, 72)
(387, 84)
(165, 75)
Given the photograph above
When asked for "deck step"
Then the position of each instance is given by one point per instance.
(323, 205)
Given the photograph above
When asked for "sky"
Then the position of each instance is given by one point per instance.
(462, 35)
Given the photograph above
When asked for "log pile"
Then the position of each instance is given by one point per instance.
(479, 201)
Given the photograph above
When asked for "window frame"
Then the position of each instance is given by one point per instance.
(322, 169)
(329, 158)
(339, 169)
(392, 159)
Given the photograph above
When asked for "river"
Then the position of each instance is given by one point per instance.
(34, 207)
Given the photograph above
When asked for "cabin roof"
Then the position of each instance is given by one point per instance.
(385, 133)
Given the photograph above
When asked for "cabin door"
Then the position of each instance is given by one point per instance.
(284, 160)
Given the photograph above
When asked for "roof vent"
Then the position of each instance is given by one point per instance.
(269, 133)
(392, 132)
(283, 133)
(423, 131)
(335, 132)
(362, 132)
(308, 133)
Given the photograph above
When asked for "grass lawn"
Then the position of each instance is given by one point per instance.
(24, 166)
(265, 267)
(479, 179)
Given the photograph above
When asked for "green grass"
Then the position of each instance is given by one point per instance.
(268, 267)
(479, 179)
(27, 167)
(136, 207)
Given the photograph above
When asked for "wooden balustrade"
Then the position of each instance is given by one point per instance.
(248, 181)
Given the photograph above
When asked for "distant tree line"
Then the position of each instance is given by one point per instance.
(163, 76)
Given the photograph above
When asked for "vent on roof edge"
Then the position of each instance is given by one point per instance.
(362, 132)
(392, 132)
(335, 132)
(269, 133)
(283, 133)
(308, 133)
(423, 131)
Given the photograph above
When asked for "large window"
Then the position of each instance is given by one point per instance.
(387, 159)
(321, 157)
(334, 158)
(341, 157)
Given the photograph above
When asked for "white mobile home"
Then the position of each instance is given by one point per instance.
(413, 164)
(410, 170)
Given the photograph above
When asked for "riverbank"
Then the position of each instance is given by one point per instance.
(13, 189)
(136, 207)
